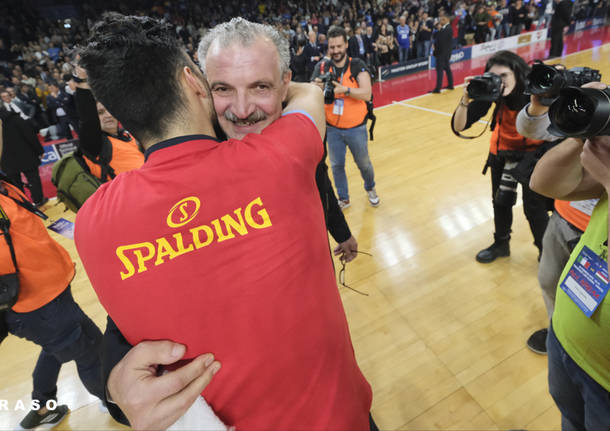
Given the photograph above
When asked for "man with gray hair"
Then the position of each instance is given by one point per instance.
(247, 66)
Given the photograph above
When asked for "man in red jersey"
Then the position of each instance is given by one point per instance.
(220, 246)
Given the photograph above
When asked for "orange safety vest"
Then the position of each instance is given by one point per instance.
(45, 267)
(126, 156)
(354, 110)
(505, 136)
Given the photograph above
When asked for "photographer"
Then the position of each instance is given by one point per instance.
(578, 348)
(507, 148)
(347, 89)
(566, 224)
(36, 269)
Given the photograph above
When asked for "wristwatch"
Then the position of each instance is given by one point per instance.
(349, 90)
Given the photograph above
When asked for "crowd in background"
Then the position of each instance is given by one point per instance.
(35, 51)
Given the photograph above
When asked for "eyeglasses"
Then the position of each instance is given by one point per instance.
(342, 274)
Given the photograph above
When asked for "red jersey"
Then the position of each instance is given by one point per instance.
(222, 246)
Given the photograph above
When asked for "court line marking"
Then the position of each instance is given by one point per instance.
(434, 111)
(461, 85)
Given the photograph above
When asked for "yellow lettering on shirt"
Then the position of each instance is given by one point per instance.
(266, 221)
(164, 249)
(140, 258)
(255, 216)
(196, 238)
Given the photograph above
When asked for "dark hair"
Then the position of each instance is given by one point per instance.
(301, 41)
(515, 63)
(336, 31)
(132, 65)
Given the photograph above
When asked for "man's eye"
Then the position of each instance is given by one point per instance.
(220, 89)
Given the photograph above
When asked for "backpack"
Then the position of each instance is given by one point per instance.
(370, 114)
(74, 180)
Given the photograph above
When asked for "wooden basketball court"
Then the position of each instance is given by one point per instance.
(441, 338)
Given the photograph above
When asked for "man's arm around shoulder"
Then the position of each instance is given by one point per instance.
(309, 99)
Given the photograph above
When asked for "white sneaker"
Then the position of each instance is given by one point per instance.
(343, 203)
(373, 198)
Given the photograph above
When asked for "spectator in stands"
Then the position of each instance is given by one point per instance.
(424, 36)
(403, 34)
(62, 111)
(494, 22)
(313, 52)
(370, 42)
(298, 62)
(356, 45)
(385, 46)
(518, 15)
(481, 18)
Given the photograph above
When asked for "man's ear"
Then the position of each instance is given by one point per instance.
(193, 82)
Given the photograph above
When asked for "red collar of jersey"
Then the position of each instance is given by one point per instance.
(176, 141)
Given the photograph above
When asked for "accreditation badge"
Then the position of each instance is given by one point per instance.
(338, 107)
(587, 281)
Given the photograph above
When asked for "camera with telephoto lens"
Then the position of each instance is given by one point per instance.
(580, 113)
(486, 88)
(329, 88)
(506, 195)
(547, 80)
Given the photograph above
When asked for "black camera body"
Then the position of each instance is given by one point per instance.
(581, 113)
(329, 88)
(486, 88)
(547, 80)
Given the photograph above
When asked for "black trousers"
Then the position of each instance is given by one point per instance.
(442, 64)
(556, 41)
(34, 183)
(534, 206)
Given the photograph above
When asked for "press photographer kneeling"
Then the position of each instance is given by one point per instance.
(503, 84)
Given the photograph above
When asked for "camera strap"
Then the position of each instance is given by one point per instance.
(5, 224)
(24, 203)
(459, 135)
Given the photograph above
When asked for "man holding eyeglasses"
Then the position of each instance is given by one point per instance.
(239, 278)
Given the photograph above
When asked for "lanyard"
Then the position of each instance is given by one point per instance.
(5, 224)
(24, 204)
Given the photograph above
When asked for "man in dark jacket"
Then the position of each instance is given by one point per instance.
(21, 153)
(312, 52)
(560, 19)
(443, 41)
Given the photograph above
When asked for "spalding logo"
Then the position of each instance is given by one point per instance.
(183, 212)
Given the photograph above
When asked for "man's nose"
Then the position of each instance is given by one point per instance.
(242, 105)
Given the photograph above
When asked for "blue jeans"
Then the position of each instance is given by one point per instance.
(356, 139)
(65, 333)
(423, 48)
(403, 54)
(583, 403)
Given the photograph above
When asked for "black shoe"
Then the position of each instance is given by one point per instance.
(47, 420)
(449, 87)
(497, 249)
(537, 341)
(436, 91)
